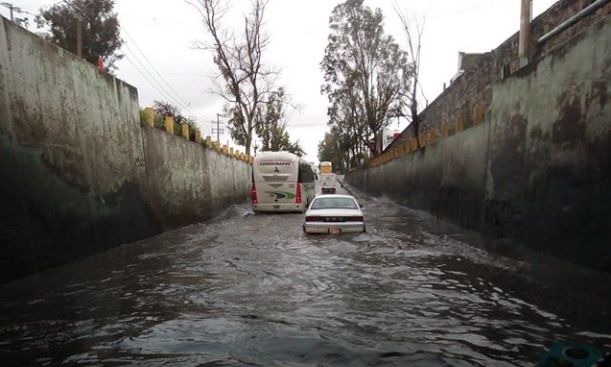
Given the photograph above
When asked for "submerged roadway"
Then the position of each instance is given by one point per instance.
(253, 290)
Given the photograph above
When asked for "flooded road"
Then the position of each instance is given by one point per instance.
(253, 290)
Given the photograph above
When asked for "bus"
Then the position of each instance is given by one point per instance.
(281, 182)
(326, 167)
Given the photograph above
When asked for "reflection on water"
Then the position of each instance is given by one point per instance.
(252, 290)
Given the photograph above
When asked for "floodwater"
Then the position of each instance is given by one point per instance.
(253, 290)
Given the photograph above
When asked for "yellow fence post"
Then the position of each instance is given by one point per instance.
(198, 136)
(169, 124)
(184, 130)
(149, 116)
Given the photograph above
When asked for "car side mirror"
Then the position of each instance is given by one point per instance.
(361, 205)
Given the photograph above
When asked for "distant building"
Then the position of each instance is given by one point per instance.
(466, 61)
(385, 138)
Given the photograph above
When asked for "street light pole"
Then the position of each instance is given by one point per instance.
(218, 129)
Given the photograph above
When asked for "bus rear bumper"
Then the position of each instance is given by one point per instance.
(278, 208)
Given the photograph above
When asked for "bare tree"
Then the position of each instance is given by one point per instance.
(413, 29)
(244, 80)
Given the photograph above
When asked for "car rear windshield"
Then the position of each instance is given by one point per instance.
(334, 203)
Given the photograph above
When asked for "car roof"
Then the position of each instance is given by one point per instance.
(321, 196)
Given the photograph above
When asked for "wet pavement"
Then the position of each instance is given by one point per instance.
(253, 290)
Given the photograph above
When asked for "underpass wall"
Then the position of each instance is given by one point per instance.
(549, 169)
(536, 171)
(79, 174)
(186, 182)
(446, 178)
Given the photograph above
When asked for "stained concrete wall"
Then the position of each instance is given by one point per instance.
(79, 173)
(549, 171)
(187, 182)
(537, 171)
(445, 178)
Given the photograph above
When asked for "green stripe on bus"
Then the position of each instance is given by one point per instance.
(281, 195)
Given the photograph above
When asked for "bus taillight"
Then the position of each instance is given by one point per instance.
(253, 194)
(298, 194)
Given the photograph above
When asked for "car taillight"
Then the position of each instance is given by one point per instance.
(253, 194)
(298, 194)
(313, 219)
(354, 219)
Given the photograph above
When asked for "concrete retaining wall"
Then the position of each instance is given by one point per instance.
(537, 170)
(79, 172)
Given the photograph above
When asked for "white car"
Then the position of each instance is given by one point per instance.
(334, 214)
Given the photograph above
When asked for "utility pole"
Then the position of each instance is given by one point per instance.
(525, 19)
(79, 26)
(12, 9)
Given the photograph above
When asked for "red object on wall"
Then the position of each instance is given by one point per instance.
(100, 63)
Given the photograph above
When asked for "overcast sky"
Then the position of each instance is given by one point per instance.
(162, 63)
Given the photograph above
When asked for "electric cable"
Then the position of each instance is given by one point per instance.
(176, 96)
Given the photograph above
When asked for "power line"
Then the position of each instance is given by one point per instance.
(166, 92)
(146, 78)
(150, 78)
(153, 67)
(175, 96)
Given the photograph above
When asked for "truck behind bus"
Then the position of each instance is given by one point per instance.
(328, 183)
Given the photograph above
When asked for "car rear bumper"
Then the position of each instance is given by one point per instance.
(333, 228)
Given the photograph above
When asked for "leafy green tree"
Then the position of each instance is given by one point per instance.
(98, 24)
(163, 109)
(282, 142)
(366, 74)
(329, 150)
(272, 128)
